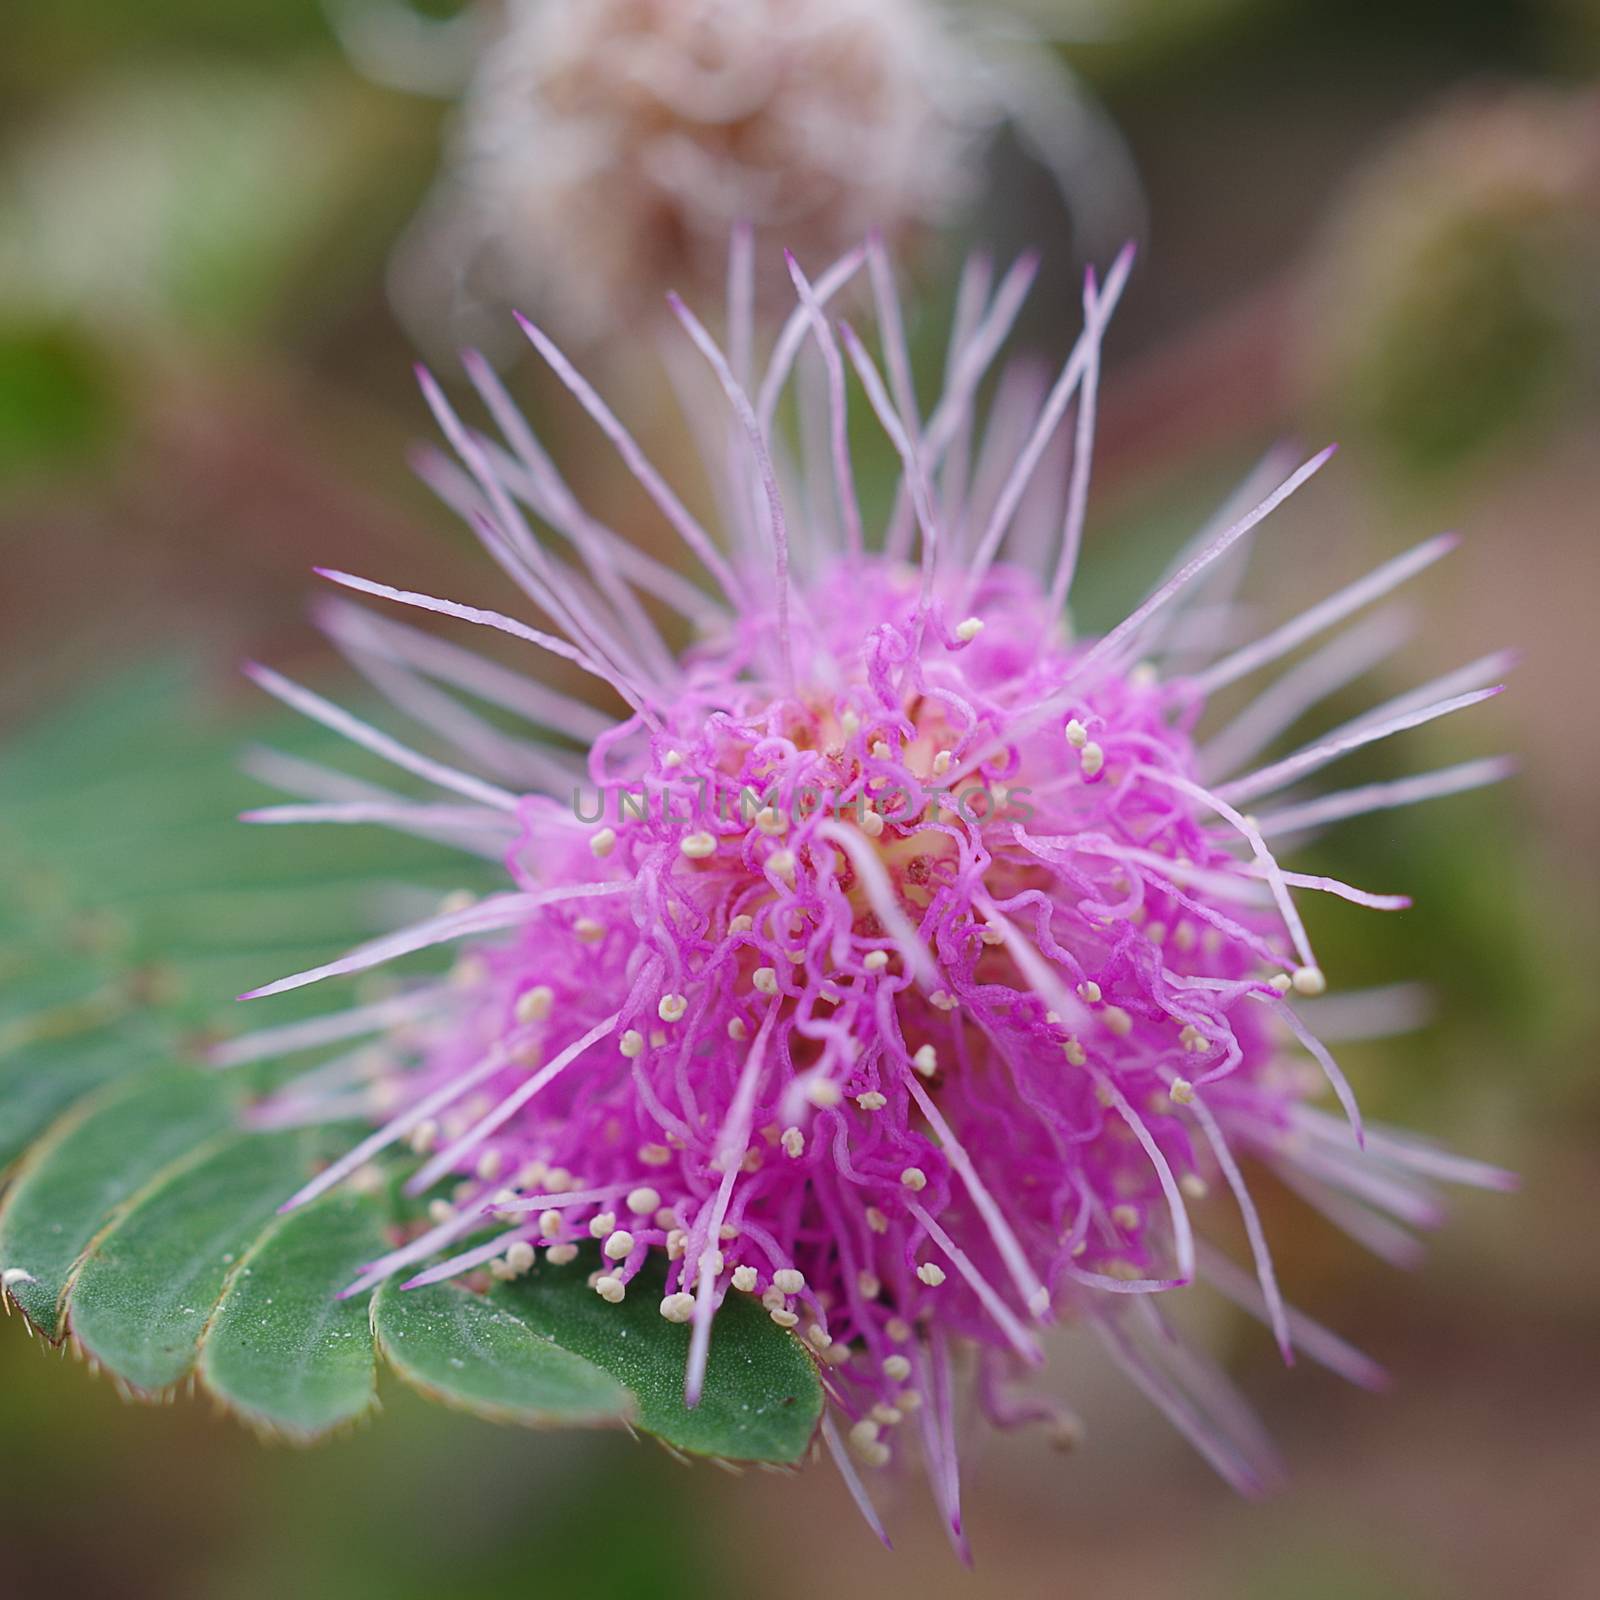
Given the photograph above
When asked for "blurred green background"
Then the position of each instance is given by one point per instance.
(1376, 220)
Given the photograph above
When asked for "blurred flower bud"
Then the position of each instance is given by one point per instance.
(606, 147)
(1451, 299)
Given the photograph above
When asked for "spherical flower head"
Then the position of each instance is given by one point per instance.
(902, 959)
(605, 147)
(1486, 215)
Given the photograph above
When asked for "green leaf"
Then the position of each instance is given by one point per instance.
(131, 896)
(58, 402)
(148, 1284)
(96, 1157)
(476, 1352)
(39, 1081)
(281, 1348)
(762, 1398)
(132, 910)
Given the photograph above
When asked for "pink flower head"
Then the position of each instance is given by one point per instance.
(900, 957)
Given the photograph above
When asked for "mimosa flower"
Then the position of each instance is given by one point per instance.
(897, 955)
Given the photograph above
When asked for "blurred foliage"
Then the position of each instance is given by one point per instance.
(197, 216)
(52, 45)
(185, 200)
(1481, 938)
(417, 1505)
(58, 400)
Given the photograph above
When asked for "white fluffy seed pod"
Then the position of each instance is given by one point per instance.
(605, 149)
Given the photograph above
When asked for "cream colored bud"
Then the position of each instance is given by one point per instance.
(533, 1005)
(678, 1307)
